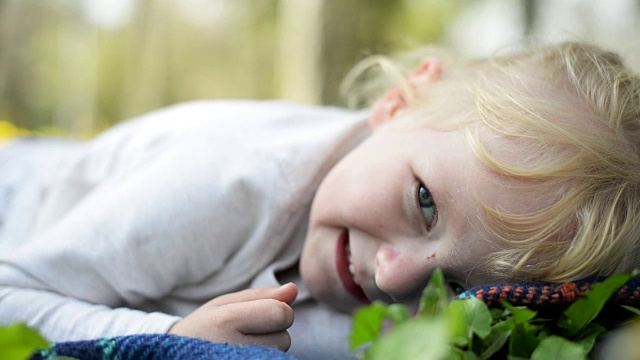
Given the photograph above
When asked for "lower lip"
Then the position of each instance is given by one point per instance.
(342, 265)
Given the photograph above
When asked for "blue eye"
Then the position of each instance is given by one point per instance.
(427, 205)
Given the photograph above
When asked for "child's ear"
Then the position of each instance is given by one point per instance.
(427, 73)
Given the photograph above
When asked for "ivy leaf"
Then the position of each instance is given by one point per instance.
(467, 317)
(558, 348)
(19, 342)
(519, 314)
(465, 355)
(417, 339)
(495, 341)
(587, 336)
(434, 298)
(523, 340)
(584, 310)
(479, 317)
(458, 321)
(463, 329)
(632, 309)
(496, 315)
(367, 324)
(398, 313)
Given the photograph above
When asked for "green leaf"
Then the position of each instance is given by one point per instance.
(434, 298)
(558, 348)
(367, 324)
(398, 313)
(523, 340)
(519, 314)
(497, 338)
(584, 310)
(467, 317)
(458, 323)
(478, 317)
(459, 354)
(469, 355)
(587, 336)
(19, 342)
(632, 309)
(417, 339)
(496, 315)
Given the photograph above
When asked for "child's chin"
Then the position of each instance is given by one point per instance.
(325, 288)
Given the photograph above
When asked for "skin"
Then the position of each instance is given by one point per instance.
(394, 248)
(395, 245)
(252, 316)
(372, 194)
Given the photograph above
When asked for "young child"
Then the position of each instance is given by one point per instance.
(521, 167)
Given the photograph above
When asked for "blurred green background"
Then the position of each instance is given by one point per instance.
(81, 66)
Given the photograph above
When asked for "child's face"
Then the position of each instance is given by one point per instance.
(374, 232)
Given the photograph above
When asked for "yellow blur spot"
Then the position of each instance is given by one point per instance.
(8, 131)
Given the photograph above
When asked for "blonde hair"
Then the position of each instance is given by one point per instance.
(374, 75)
(572, 114)
(564, 123)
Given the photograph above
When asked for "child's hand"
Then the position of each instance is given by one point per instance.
(253, 316)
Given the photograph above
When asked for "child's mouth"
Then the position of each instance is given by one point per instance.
(346, 269)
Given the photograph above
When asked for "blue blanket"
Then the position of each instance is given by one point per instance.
(157, 346)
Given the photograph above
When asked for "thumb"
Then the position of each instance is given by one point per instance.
(285, 293)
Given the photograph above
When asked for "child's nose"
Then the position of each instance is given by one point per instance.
(399, 273)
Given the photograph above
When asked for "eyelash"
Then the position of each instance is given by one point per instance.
(429, 202)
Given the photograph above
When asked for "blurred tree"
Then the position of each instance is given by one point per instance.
(321, 40)
(72, 65)
(350, 31)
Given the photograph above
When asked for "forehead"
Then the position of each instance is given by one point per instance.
(453, 111)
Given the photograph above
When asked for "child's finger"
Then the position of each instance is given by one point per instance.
(260, 316)
(285, 293)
